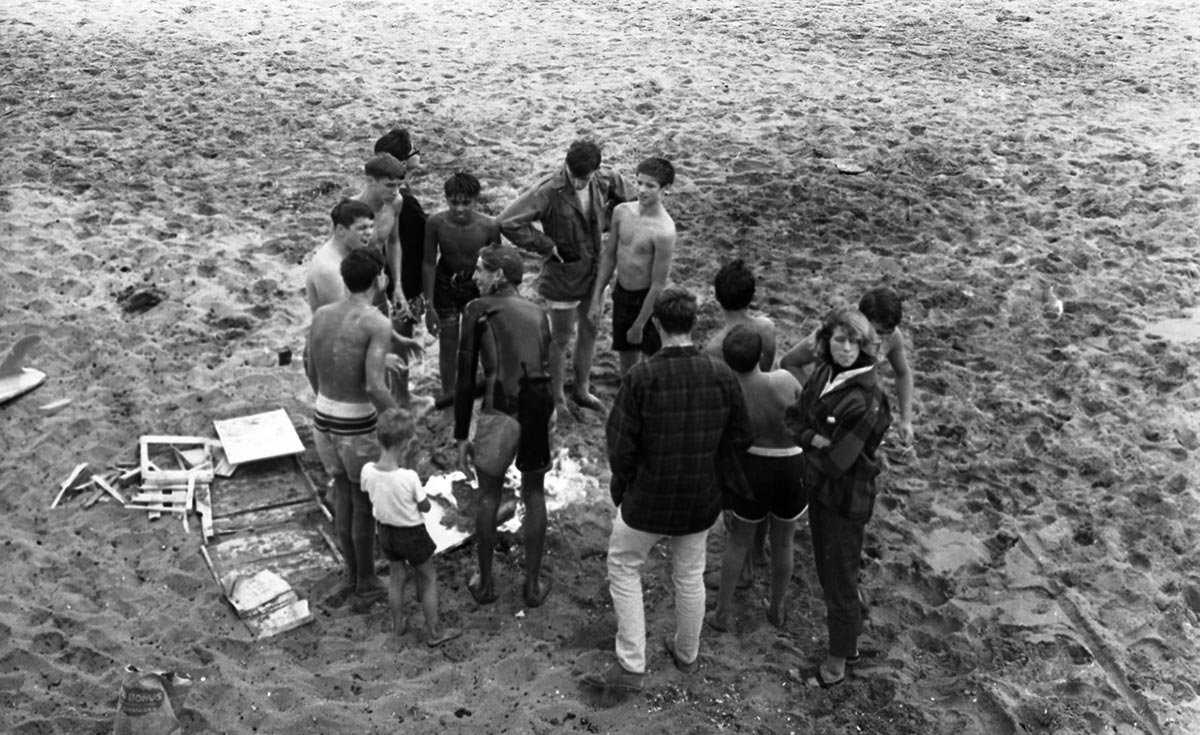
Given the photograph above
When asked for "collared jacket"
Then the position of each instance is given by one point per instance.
(675, 416)
(552, 201)
(853, 413)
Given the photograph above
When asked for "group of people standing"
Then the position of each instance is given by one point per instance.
(692, 432)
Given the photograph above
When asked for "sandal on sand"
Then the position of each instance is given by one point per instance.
(480, 598)
(813, 678)
(448, 634)
(547, 584)
(861, 654)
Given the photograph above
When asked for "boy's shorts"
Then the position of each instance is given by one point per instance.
(775, 484)
(411, 544)
(626, 307)
(452, 292)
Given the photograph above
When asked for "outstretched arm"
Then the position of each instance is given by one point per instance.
(800, 356)
(898, 359)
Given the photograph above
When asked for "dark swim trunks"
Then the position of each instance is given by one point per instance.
(775, 484)
(626, 306)
(412, 544)
(453, 291)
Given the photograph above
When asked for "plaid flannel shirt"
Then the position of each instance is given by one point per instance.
(841, 476)
(676, 415)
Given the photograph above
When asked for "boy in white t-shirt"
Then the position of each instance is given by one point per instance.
(399, 502)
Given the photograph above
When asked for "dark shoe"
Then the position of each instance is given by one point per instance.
(684, 666)
(615, 677)
(712, 580)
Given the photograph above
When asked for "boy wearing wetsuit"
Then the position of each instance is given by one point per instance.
(510, 337)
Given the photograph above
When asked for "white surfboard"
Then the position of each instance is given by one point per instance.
(12, 386)
(15, 379)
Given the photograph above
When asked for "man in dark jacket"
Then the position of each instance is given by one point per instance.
(676, 416)
(573, 205)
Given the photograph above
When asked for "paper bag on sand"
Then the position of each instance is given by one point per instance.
(496, 438)
(148, 701)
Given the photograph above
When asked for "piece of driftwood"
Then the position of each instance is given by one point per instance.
(67, 483)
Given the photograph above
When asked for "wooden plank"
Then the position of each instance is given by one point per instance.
(263, 519)
(264, 484)
(158, 509)
(312, 486)
(301, 569)
(204, 510)
(68, 482)
(164, 498)
(107, 487)
(268, 544)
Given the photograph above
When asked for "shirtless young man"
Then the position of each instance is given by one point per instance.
(735, 285)
(348, 342)
(353, 223)
(884, 309)
(773, 469)
(453, 239)
(510, 337)
(639, 249)
(384, 177)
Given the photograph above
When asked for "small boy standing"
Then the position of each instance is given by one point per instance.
(399, 501)
(453, 239)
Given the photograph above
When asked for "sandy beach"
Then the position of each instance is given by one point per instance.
(1034, 562)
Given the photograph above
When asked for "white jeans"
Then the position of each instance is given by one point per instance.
(627, 552)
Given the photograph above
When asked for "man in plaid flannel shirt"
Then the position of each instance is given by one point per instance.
(678, 418)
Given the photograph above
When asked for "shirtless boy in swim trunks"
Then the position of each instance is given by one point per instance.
(353, 223)
(773, 468)
(734, 286)
(384, 178)
(348, 343)
(510, 336)
(639, 249)
(453, 239)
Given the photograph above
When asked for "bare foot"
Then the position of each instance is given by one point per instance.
(448, 634)
(778, 618)
(719, 623)
(536, 596)
(587, 400)
(483, 596)
(371, 589)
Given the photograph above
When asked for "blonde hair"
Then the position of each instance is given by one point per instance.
(395, 428)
